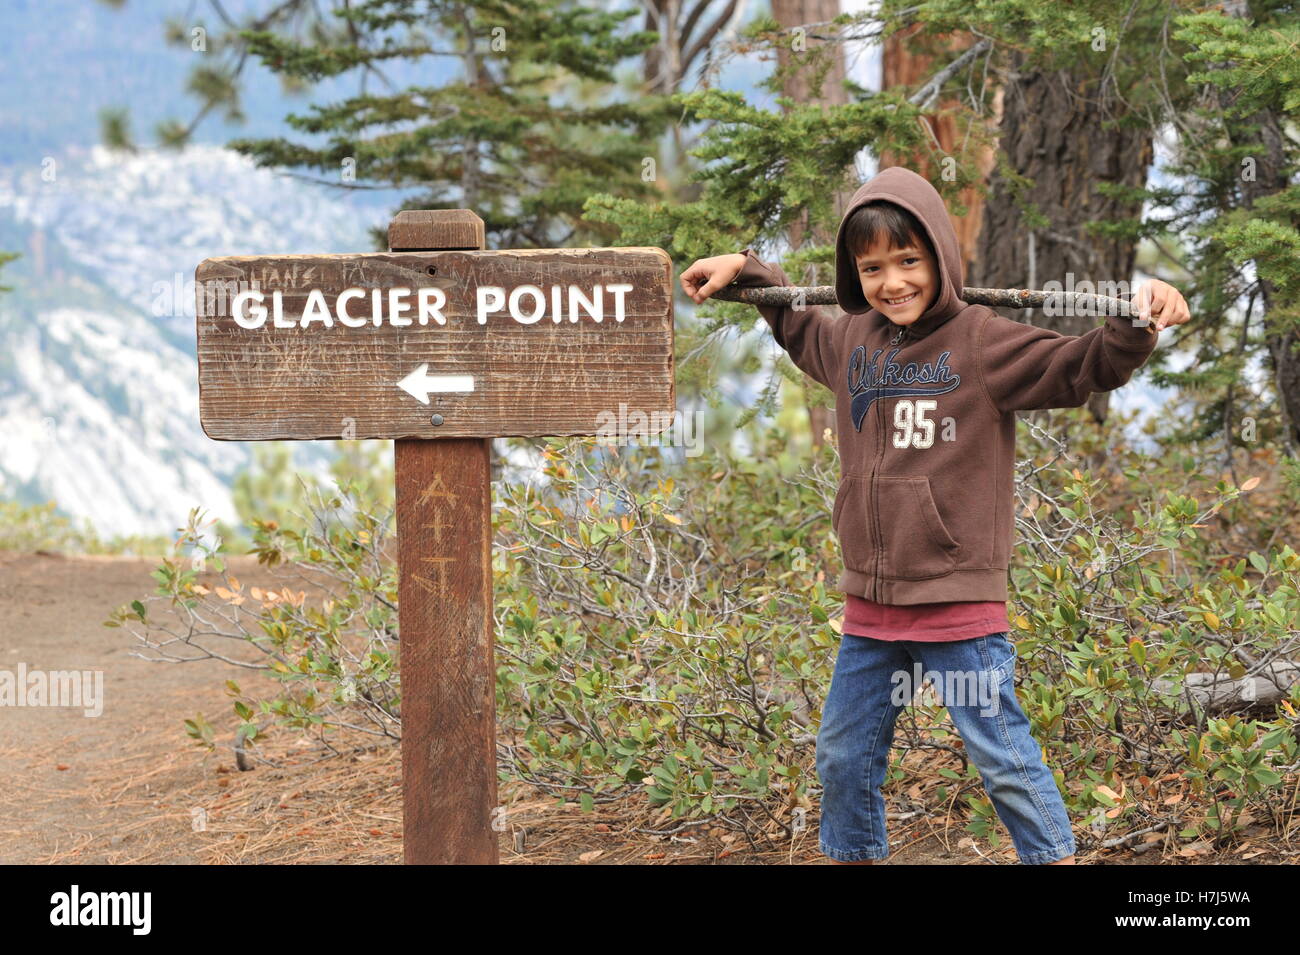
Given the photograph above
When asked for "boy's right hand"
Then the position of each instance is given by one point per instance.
(703, 277)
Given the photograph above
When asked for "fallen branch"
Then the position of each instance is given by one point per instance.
(1125, 840)
(1218, 694)
(1077, 303)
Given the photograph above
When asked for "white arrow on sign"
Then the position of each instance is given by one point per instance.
(419, 384)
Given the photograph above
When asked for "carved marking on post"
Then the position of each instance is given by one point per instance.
(437, 525)
(436, 488)
(440, 565)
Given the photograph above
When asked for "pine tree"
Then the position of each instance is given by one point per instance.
(520, 124)
(1242, 219)
(764, 170)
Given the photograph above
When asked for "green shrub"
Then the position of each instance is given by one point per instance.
(666, 628)
(40, 527)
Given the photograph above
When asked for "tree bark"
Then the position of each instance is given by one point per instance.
(903, 64)
(1054, 133)
(798, 87)
(685, 34)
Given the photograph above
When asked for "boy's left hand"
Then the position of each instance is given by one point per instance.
(1161, 303)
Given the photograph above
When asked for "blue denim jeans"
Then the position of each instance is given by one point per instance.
(974, 678)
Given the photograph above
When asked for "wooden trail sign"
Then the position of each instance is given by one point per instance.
(438, 339)
(525, 342)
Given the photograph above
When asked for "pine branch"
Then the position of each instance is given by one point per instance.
(927, 94)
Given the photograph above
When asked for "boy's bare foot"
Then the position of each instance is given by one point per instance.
(1068, 860)
(863, 862)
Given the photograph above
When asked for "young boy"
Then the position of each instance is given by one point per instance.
(926, 390)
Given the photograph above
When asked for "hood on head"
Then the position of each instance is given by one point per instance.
(915, 194)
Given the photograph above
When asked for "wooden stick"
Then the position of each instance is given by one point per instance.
(1081, 303)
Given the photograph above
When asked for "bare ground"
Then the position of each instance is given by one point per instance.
(129, 786)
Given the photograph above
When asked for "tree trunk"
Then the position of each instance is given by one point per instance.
(1054, 133)
(798, 86)
(903, 65)
(686, 35)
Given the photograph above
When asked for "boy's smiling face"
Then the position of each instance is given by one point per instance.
(899, 283)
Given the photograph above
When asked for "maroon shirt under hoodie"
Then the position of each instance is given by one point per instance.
(932, 622)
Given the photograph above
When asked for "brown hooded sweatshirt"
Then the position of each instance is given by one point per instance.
(925, 413)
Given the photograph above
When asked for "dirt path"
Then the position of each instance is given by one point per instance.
(66, 774)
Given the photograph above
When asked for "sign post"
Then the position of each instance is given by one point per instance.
(440, 346)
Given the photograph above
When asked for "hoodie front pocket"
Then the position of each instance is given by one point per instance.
(850, 518)
(916, 541)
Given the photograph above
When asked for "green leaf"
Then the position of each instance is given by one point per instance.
(1139, 651)
(1266, 777)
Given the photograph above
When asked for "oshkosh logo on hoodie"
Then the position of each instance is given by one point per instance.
(867, 382)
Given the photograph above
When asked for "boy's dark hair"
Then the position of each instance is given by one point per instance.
(898, 225)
